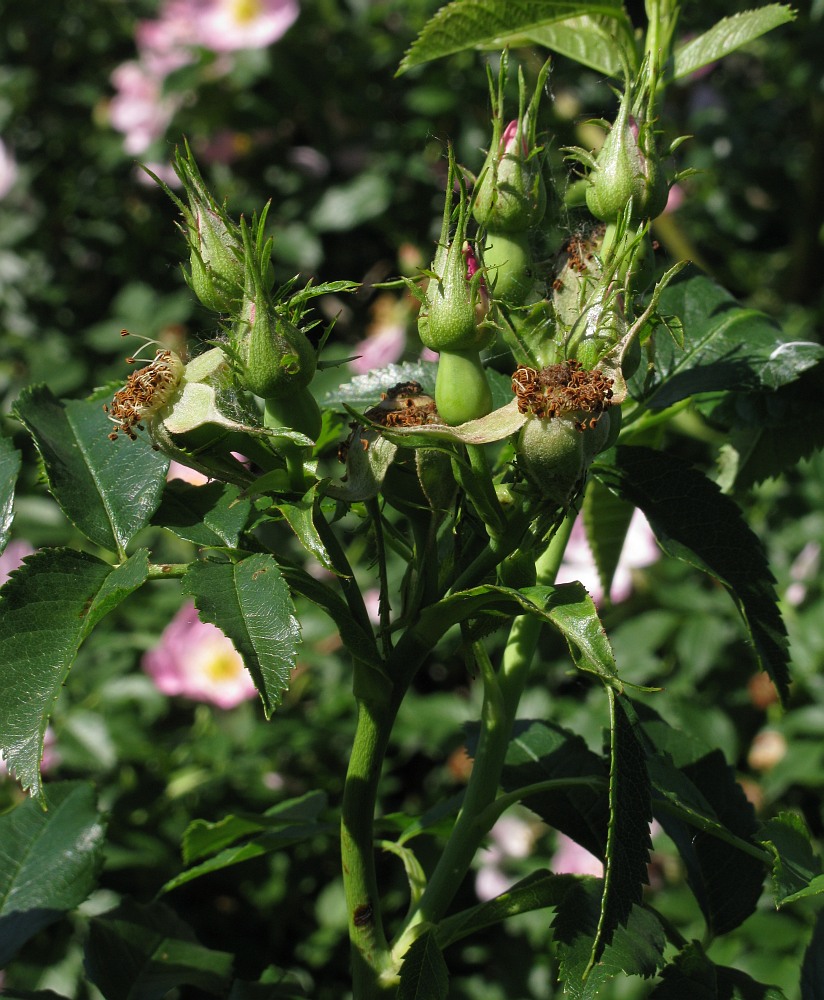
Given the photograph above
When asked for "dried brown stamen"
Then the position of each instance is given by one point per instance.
(145, 392)
(404, 405)
(564, 389)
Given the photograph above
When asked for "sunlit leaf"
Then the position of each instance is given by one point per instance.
(591, 41)
(49, 606)
(727, 35)
(538, 891)
(489, 24)
(250, 602)
(727, 346)
(108, 489)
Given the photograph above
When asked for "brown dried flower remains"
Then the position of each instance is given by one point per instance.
(564, 389)
(404, 405)
(580, 248)
(146, 391)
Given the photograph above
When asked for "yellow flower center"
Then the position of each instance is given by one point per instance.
(246, 10)
(223, 666)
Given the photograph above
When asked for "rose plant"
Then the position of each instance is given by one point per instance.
(467, 481)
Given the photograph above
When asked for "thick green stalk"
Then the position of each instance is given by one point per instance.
(372, 975)
(502, 692)
(476, 482)
(480, 792)
(373, 966)
(523, 636)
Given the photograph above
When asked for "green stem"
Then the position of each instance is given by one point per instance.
(639, 421)
(503, 802)
(345, 576)
(425, 582)
(467, 833)
(374, 510)
(476, 482)
(479, 463)
(523, 636)
(167, 571)
(502, 693)
(526, 529)
(372, 973)
(373, 966)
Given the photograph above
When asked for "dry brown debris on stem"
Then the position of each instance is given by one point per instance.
(404, 405)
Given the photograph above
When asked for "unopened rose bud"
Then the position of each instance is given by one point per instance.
(456, 299)
(216, 263)
(511, 194)
(276, 359)
(627, 168)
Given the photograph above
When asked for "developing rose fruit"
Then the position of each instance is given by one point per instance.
(552, 453)
(627, 168)
(566, 425)
(511, 195)
(461, 390)
(277, 358)
(455, 302)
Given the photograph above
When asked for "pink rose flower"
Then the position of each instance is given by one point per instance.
(165, 44)
(195, 660)
(511, 838)
(8, 170)
(139, 109)
(191, 476)
(572, 859)
(640, 549)
(227, 25)
(379, 349)
(12, 558)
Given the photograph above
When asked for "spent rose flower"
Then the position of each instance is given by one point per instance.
(195, 660)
